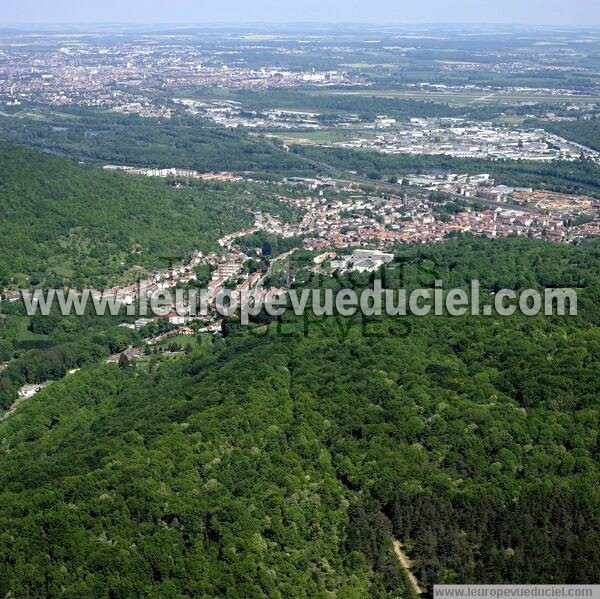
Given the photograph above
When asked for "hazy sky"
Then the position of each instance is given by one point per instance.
(555, 12)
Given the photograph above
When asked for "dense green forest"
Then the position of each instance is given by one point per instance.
(248, 469)
(183, 142)
(41, 348)
(585, 132)
(63, 223)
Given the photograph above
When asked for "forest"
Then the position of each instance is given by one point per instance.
(35, 349)
(297, 456)
(66, 224)
(132, 140)
(583, 131)
(247, 469)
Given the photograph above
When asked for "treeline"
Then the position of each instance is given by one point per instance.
(585, 132)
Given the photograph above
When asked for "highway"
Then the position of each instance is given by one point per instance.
(337, 174)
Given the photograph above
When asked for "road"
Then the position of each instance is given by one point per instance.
(396, 187)
(13, 408)
(21, 399)
(407, 565)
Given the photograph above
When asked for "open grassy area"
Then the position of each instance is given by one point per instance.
(42, 114)
(462, 97)
(181, 340)
(22, 332)
(324, 136)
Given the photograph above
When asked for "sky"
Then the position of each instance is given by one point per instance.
(389, 12)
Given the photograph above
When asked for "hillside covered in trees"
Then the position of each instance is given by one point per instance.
(129, 139)
(61, 222)
(248, 469)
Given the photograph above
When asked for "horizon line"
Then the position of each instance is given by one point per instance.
(382, 25)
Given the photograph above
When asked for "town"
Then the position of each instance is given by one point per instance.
(339, 217)
(465, 139)
(127, 77)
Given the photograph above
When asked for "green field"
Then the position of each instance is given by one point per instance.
(322, 137)
(462, 97)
